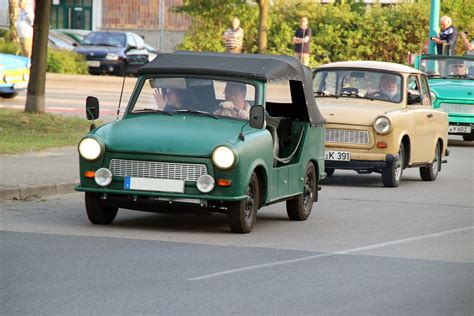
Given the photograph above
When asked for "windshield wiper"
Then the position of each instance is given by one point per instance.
(105, 44)
(153, 111)
(197, 112)
(437, 76)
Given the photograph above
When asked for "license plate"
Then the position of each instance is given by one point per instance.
(147, 184)
(337, 155)
(459, 129)
(93, 63)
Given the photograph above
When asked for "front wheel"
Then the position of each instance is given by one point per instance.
(468, 137)
(8, 95)
(97, 212)
(299, 208)
(329, 171)
(392, 174)
(430, 172)
(242, 215)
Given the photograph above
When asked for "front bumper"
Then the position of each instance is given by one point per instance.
(361, 165)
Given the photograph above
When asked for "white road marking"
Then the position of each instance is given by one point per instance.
(343, 252)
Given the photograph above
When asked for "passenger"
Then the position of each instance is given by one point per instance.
(169, 100)
(389, 88)
(234, 104)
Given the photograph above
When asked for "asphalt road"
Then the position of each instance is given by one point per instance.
(364, 250)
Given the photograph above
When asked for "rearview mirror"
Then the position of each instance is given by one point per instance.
(257, 116)
(92, 108)
(414, 97)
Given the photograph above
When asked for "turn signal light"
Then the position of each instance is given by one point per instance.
(224, 182)
(381, 145)
(89, 174)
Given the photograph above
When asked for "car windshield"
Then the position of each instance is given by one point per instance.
(358, 83)
(197, 96)
(104, 39)
(454, 68)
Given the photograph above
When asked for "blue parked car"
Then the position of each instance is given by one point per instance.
(14, 75)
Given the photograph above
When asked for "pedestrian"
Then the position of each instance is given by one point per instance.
(469, 47)
(234, 37)
(24, 27)
(302, 41)
(447, 37)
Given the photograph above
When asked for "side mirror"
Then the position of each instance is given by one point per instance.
(74, 44)
(92, 108)
(414, 97)
(257, 116)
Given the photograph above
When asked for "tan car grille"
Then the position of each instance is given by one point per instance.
(458, 108)
(347, 136)
(157, 170)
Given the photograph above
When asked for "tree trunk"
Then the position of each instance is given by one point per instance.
(39, 55)
(13, 16)
(263, 26)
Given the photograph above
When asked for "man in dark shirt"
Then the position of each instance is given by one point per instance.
(447, 37)
(302, 40)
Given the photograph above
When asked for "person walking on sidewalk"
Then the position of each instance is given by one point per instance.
(24, 27)
(302, 41)
(234, 37)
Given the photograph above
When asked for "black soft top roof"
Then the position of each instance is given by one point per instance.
(251, 66)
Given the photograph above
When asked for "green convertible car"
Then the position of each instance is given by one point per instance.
(225, 133)
(451, 79)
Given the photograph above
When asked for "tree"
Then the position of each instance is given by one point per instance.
(13, 16)
(36, 85)
(262, 25)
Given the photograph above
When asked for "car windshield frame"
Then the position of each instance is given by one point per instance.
(443, 67)
(175, 81)
(356, 82)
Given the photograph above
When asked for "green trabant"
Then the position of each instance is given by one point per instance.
(225, 133)
(451, 78)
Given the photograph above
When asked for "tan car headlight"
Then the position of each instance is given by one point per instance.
(90, 148)
(383, 125)
(223, 157)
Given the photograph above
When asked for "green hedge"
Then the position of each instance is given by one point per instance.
(345, 30)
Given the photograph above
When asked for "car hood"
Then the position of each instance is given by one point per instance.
(352, 112)
(11, 62)
(452, 89)
(183, 135)
(98, 51)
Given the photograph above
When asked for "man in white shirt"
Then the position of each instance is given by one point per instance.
(24, 27)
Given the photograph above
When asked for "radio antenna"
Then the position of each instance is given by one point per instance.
(121, 92)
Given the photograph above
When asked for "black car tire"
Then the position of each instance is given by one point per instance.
(299, 208)
(468, 137)
(242, 215)
(97, 212)
(8, 95)
(430, 172)
(392, 174)
(329, 171)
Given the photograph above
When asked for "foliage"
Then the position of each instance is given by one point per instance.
(345, 30)
(20, 131)
(66, 62)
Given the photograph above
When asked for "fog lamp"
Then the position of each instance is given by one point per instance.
(103, 177)
(205, 183)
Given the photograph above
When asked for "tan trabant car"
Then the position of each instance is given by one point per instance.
(380, 119)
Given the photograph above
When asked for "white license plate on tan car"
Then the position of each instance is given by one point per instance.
(337, 155)
(459, 129)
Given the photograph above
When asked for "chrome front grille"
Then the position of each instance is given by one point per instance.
(458, 108)
(347, 136)
(156, 169)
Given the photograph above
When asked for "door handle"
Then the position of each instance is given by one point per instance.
(430, 115)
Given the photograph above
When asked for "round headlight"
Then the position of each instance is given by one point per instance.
(223, 157)
(205, 183)
(382, 125)
(103, 177)
(90, 149)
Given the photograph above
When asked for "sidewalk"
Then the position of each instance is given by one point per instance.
(39, 174)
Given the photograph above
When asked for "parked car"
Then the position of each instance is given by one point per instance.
(451, 78)
(113, 52)
(14, 75)
(369, 131)
(168, 160)
(75, 34)
(58, 40)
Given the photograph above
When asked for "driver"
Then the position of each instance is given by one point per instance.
(389, 88)
(458, 69)
(234, 104)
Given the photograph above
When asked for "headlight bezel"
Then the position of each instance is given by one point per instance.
(221, 157)
(384, 130)
(89, 153)
(112, 56)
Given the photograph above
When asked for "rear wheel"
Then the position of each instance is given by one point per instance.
(392, 174)
(8, 95)
(97, 212)
(242, 215)
(430, 172)
(299, 208)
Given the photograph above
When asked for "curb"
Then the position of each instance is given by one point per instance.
(25, 193)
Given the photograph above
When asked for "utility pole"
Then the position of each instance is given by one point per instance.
(434, 25)
(162, 23)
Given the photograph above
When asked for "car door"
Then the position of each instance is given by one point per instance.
(422, 132)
